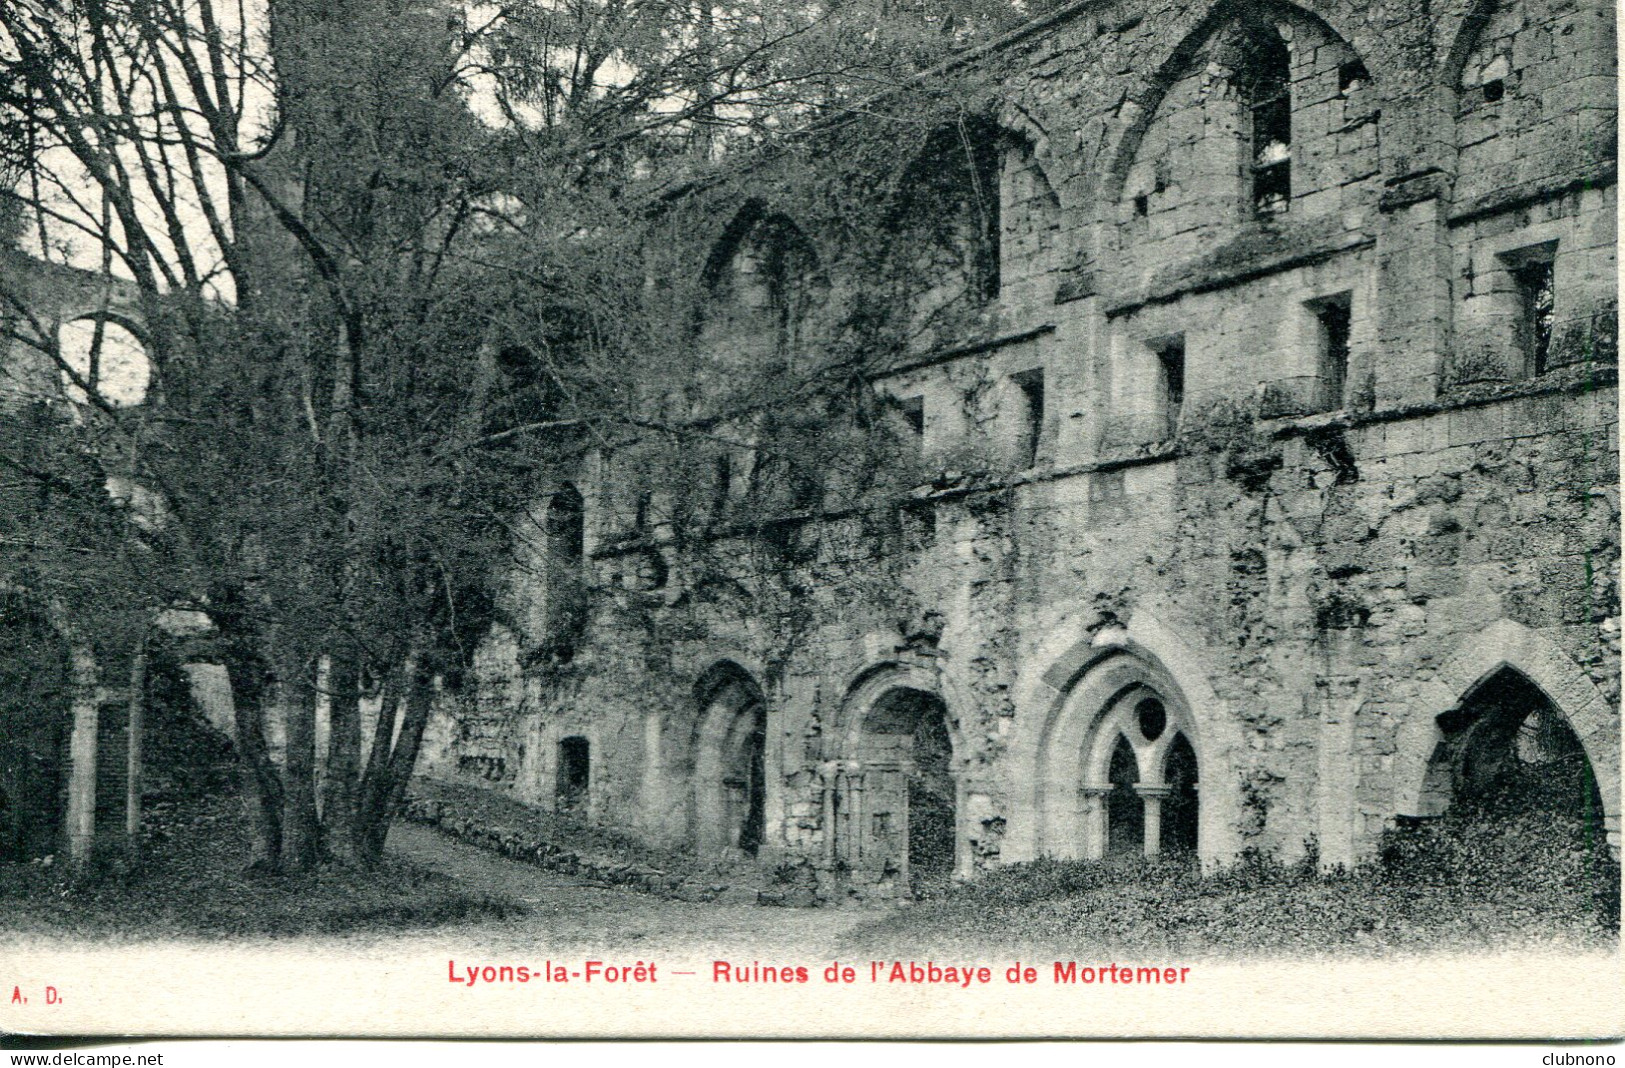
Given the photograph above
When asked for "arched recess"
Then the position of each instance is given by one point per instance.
(728, 780)
(898, 799)
(944, 215)
(1074, 683)
(1029, 220)
(1230, 123)
(1432, 746)
(1116, 756)
(1518, 69)
(763, 287)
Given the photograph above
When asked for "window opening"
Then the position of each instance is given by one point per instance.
(1351, 77)
(574, 776)
(1536, 298)
(1333, 317)
(1031, 387)
(1171, 365)
(1269, 98)
(914, 416)
(1153, 718)
(1181, 809)
(1125, 812)
(1494, 90)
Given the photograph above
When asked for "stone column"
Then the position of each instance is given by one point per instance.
(1151, 797)
(1413, 300)
(81, 814)
(1094, 819)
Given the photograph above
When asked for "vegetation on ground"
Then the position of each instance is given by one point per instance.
(191, 883)
(1470, 880)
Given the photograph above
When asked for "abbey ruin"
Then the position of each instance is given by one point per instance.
(1251, 375)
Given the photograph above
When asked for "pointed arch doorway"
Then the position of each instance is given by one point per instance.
(1508, 750)
(728, 785)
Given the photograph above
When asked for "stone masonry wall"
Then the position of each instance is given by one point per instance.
(1305, 475)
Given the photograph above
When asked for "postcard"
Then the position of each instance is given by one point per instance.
(980, 520)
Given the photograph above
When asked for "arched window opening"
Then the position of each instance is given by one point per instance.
(763, 286)
(1179, 809)
(1266, 78)
(947, 221)
(1268, 112)
(1029, 221)
(106, 357)
(1125, 813)
(573, 785)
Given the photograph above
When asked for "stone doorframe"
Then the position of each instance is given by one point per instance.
(863, 693)
(714, 728)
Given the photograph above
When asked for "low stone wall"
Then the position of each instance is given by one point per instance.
(528, 846)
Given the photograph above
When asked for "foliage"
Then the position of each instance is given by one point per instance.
(1459, 884)
(193, 885)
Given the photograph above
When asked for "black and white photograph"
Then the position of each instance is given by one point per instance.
(827, 519)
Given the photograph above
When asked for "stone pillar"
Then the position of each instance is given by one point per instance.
(902, 856)
(652, 786)
(829, 773)
(1413, 294)
(81, 815)
(1151, 797)
(1338, 779)
(1094, 819)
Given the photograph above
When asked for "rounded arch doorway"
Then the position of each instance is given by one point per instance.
(898, 808)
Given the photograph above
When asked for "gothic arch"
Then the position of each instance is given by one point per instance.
(1019, 125)
(753, 214)
(1506, 644)
(1145, 97)
(761, 285)
(1079, 689)
(1100, 718)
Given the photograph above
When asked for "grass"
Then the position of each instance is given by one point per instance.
(1464, 883)
(192, 884)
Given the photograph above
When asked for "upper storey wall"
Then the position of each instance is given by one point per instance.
(1131, 150)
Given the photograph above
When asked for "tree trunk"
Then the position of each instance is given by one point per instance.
(403, 756)
(374, 790)
(262, 788)
(340, 792)
(301, 831)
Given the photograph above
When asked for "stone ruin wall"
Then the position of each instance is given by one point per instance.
(1308, 583)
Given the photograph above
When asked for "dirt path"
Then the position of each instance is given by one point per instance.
(564, 912)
